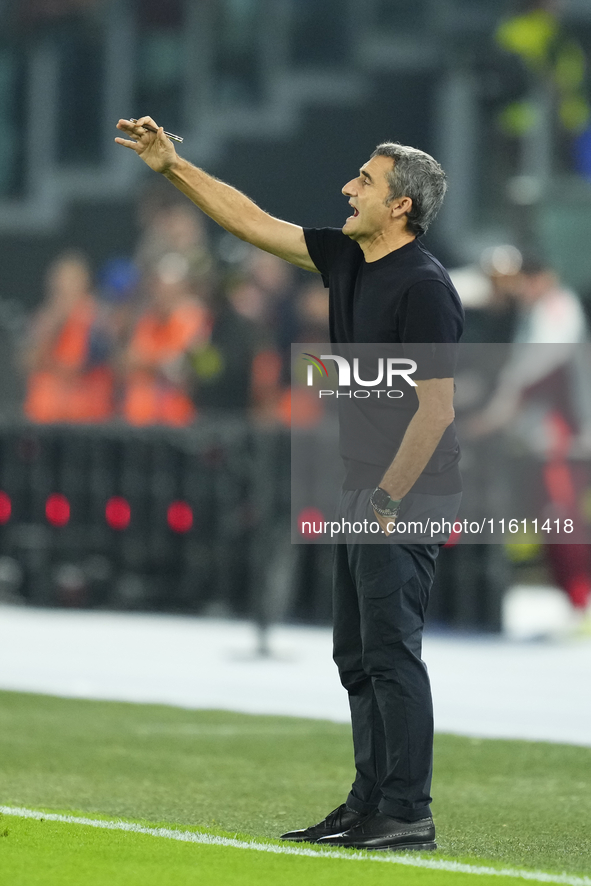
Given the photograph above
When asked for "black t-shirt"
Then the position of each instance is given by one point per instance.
(404, 298)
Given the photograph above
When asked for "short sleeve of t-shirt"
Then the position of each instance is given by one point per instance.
(429, 313)
(325, 245)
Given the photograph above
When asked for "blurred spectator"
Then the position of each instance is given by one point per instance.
(65, 381)
(544, 395)
(549, 312)
(173, 322)
(552, 58)
(299, 407)
(264, 294)
(311, 307)
(118, 286)
(488, 293)
(170, 226)
(220, 367)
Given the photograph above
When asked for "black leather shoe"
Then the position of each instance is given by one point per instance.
(336, 822)
(379, 831)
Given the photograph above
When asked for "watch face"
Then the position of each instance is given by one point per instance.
(381, 498)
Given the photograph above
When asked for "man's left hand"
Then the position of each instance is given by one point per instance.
(384, 521)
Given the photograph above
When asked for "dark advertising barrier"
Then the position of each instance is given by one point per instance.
(130, 518)
(195, 521)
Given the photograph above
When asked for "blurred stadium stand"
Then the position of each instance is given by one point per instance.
(258, 83)
(284, 99)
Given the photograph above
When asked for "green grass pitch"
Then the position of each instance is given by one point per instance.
(500, 803)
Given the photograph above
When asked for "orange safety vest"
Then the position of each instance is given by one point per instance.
(67, 392)
(148, 398)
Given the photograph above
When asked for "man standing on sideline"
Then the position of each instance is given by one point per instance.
(384, 287)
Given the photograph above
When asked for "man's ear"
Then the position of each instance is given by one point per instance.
(401, 206)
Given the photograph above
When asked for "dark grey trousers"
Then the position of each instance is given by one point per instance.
(380, 596)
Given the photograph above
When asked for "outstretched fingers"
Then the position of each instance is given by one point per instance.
(132, 129)
(147, 139)
(126, 143)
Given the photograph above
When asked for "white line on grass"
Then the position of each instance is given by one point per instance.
(211, 840)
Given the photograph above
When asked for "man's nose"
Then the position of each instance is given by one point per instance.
(349, 189)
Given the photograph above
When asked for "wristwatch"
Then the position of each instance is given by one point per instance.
(382, 503)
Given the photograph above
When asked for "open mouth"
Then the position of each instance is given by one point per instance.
(355, 211)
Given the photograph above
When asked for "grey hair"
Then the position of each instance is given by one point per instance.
(418, 176)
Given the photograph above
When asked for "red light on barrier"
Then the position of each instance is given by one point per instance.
(454, 538)
(5, 508)
(310, 522)
(180, 516)
(57, 509)
(117, 512)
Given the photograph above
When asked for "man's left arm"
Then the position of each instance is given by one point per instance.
(434, 415)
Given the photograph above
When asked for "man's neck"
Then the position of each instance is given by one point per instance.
(384, 243)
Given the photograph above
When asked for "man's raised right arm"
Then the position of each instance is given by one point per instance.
(231, 209)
